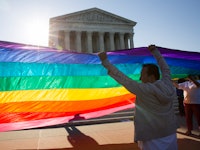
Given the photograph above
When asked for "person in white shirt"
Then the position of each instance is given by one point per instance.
(154, 120)
(191, 101)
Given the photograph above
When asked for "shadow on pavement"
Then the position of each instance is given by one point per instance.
(90, 144)
(80, 141)
(131, 146)
(188, 144)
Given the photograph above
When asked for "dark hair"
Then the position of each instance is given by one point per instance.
(152, 70)
(181, 80)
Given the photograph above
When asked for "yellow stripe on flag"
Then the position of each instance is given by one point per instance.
(61, 94)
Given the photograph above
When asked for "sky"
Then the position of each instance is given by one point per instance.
(172, 24)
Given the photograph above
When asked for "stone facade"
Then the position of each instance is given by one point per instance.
(91, 31)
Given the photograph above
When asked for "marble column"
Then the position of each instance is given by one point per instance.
(55, 39)
(131, 40)
(101, 41)
(126, 41)
(67, 40)
(122, 45)
(89, 41)
(78, 41)
(112, 44)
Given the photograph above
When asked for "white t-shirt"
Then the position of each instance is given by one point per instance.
(191, 92)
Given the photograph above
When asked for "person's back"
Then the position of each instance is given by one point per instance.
(155, 116)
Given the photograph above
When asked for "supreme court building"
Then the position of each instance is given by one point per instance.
(91, 31)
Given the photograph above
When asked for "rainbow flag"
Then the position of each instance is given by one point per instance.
(42, 86)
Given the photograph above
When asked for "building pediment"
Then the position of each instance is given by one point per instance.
(93, 15)
(90, 31)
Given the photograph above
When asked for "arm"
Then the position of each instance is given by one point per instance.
(120, 77)
(161, 62)
(175, 84)
(191, 78)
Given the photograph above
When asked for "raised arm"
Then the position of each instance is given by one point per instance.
(192, 79)
(161, 62)
(102, 56)
(119, 76)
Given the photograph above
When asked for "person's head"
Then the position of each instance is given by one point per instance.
(150, 73)
(181, 80)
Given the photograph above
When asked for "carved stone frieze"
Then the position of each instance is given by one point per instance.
(94, 17)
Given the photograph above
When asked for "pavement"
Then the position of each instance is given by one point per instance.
(103, 136)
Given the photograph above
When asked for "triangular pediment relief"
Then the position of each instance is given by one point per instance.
(94, 15)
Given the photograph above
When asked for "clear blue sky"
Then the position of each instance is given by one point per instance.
(167, 23)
